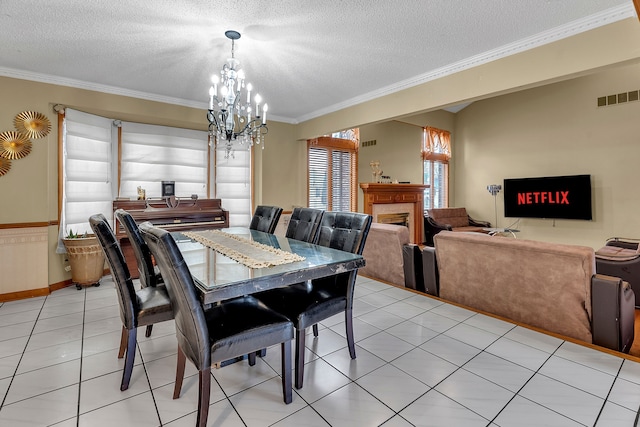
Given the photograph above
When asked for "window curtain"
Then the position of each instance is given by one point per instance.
(436, 154)
(87, 170)
(436, 145)
(234, 183)
(151, 154)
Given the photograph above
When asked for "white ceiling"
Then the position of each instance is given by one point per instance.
(305, 57)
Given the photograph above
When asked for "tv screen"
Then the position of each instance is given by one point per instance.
(553, 197)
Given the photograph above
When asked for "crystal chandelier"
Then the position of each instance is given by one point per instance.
(231, 115)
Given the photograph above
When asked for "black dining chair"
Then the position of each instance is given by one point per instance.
(148, 274)
(142, 307)
(306, 304)
(304, 224)
(226, 330)
(265, 218)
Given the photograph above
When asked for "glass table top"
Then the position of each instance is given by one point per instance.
(219, 277)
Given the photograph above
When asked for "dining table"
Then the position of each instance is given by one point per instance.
(219, 277)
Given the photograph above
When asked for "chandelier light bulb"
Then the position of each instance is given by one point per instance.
(258, 100)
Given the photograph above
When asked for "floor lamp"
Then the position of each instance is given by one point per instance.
(494, 189)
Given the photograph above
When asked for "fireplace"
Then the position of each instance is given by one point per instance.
(399, 218)
(396, 203)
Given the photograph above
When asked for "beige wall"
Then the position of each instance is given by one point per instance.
(398, 147)
(29, 190)
(580, 54)
(556, 130)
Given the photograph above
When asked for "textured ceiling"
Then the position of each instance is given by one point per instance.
(305, 57)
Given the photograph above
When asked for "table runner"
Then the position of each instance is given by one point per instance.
(247, 252)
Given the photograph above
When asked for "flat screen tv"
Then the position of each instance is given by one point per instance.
(553, 197)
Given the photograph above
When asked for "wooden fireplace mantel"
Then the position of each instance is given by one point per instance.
(375, 193)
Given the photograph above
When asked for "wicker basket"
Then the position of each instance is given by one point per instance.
(86, 259)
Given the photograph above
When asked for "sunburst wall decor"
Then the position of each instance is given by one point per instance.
(14, 145)
(5, 165)
(32, 124)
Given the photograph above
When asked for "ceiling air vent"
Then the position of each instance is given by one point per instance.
(619, 98)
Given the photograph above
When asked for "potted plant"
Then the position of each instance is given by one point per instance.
(85, 258)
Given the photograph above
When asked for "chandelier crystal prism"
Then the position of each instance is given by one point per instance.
(232, 115)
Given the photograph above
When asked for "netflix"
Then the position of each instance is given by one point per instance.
(553, 197)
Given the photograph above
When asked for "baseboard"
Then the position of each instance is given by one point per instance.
(31, 293)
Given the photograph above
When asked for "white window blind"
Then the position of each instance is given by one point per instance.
(152, 154)
(233, 185)
(87, 170)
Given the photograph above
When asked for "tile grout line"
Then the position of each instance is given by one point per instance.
(13, 376)
(84, 313)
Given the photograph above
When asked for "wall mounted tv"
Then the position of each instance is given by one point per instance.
(553, 197)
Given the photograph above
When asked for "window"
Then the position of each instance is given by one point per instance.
(436, 153)
(88, 183)
(332, 173)
(152, 154)
(102, 159)
(233, 184)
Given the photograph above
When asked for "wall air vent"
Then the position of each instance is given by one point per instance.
(368, 143)
(619, 98)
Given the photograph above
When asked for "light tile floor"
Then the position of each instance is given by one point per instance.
(420, 362)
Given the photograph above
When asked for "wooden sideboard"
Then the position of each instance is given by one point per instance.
(411, 195)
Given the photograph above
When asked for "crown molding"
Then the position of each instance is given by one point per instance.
(570, 29)
(591, 22)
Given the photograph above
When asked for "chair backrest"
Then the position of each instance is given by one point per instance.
(346, 231)
(304, 224)
(265, 218)
(140, 248)
(191, 326)
(119, 270)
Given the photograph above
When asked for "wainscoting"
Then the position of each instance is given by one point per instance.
(23, 259)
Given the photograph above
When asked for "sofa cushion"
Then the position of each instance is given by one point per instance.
(455, 217)
(383, 253)
(615, 253)
(545, 285)
(469, 229)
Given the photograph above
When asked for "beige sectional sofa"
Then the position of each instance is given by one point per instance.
(546, 285)
(383, 253)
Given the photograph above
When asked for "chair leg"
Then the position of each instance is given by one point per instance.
(287, 394)
(182, 359)
(148, 332)
(123, 342)
(315, 330)
(299, 357)
(128, 361)
(204, 378)
(349, 325)
(252, 358)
